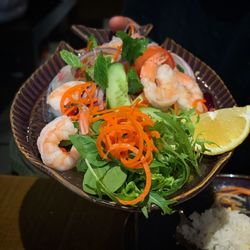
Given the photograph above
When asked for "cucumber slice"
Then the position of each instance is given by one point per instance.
(117, 90)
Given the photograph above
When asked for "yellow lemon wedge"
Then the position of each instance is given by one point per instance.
(226, 128)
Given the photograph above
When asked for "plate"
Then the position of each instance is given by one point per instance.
(28, 107)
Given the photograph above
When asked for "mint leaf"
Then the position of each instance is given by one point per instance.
(71, 59)
(101, 71)
(132, 47)
(134, 84)
(92, 43)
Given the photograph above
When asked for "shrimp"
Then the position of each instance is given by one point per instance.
(164, 86)
(160, 88)
(54, 98)
(115, 43)
(189, 91)
(48, 144)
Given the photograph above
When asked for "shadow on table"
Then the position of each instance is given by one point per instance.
(52, 217)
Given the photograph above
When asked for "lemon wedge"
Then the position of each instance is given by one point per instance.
(226, 128)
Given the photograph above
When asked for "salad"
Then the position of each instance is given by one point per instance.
(124, 114)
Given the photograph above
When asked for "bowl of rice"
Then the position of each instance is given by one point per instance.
(225, 225)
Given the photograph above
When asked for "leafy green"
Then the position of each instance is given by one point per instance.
(178, 154)
(86, 146)
(92, 43)
(132, 47)
(130, 190)
(101, 70)
(90, 181)
(89, 73)
(114, 178)
(100, 187)
(134, 84)
(155, 198)
(96, 126)
(71, 59)
(177, 159)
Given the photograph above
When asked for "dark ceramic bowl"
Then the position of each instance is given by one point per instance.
(28, 107)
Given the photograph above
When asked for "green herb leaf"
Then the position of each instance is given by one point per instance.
(114, 178)
(89, 73)
(160, 202)
(101, 71)
(86, 146)
(71, 59)
(134, 84)
(130, 190)
(132, 47)
(81, 165)
(101, 188)
(144, 210)
(90, 180)
(92, 43)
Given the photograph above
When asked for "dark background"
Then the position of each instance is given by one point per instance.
(26, 41)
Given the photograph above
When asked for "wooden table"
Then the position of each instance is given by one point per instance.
(39, 213)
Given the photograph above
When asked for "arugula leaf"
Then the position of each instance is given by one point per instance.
(178, 131)
(134, 84)
(71, 59)
(92, 43)
(132, 47)
(144, 210)
(129, 191)
(101, 70)
(158, 200)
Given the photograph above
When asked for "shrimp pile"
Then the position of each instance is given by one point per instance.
(165, 86)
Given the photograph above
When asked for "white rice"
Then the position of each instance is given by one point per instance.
(218, 228)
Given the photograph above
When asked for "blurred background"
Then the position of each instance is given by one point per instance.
(30, 31)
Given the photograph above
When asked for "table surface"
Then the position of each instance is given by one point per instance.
(40, 213)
